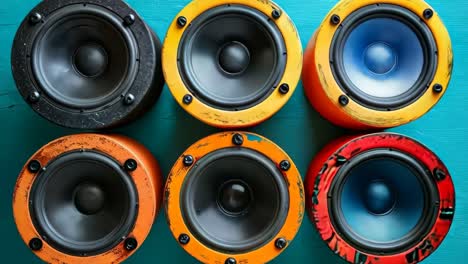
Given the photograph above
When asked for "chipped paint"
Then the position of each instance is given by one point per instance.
(215, 142)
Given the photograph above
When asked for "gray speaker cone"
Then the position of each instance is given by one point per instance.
(232, 57)
(234, 200)
(84, 203)
(83, 57)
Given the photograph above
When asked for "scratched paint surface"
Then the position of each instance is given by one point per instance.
(167, 131)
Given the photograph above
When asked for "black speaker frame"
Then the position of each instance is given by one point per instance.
(138, 97)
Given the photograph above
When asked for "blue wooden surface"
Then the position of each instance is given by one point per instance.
(167, 130)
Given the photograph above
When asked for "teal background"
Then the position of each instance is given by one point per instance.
(167, 131)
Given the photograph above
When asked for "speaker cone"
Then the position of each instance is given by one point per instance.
(245, 46)
(87, 195)
(381, 198)
(78, 63)
(229, 195)
(374, 65)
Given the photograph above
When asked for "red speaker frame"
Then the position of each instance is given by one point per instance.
(325, 167)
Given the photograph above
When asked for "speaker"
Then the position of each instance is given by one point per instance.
(377, 64)
(230, 63)
(87, 198)
(234, 197)
(380, 198)
(87, 64)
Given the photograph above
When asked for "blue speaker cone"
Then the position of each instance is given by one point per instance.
(383, 201)
(383, 56)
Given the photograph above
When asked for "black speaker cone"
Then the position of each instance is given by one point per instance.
(234, 200)
(383, 201)
(384, 56)
(83, 57)
(84, 203)
(232, 57)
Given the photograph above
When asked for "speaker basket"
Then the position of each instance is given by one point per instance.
(234, 195)
(106, 202)
(358, 77)
(232, 64)
(380, 198)
(79, 64)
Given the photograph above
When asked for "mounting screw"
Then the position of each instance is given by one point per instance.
(344, 100)
(34, 166)
(129, 99)
(335, 19)
(35, 244)
(34, 97)
(187, 99)
(130, 244)
(439, 174)
(284, 88)
(280, 243)
(428, 13)
(184, 239)
(340, 160)
(276, 14)
(437, 88)
(129, 19)
(237, 139)
(188, 160)
(35, 18)
(285, 165)
(181, 21)
(230, 261)
(130, 165)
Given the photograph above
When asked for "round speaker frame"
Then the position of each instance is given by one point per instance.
(146, 178)
(142, 91)
(325, 93)
(245, 117)
(325, 167)
(215, 142)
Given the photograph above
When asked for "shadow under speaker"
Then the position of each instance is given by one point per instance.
(87, 64)
(375, 64)
(234, 198)
(232, 64)
(380, 198)
(87, 198)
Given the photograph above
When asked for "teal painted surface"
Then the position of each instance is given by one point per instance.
(167, 131)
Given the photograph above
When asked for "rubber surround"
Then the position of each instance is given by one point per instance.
(204, 179)
(393, 12)
(425, 223)
(188, 72)
(47, 228)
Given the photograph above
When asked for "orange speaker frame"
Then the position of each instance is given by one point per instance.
(146, 177)
(324, 92)
(218, 141)
(246, 117)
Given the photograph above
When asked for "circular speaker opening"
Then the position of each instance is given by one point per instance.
(234, 200)
(383, 56)
(83, 57)
(84, 203)
(232, 57)
(383, 201)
